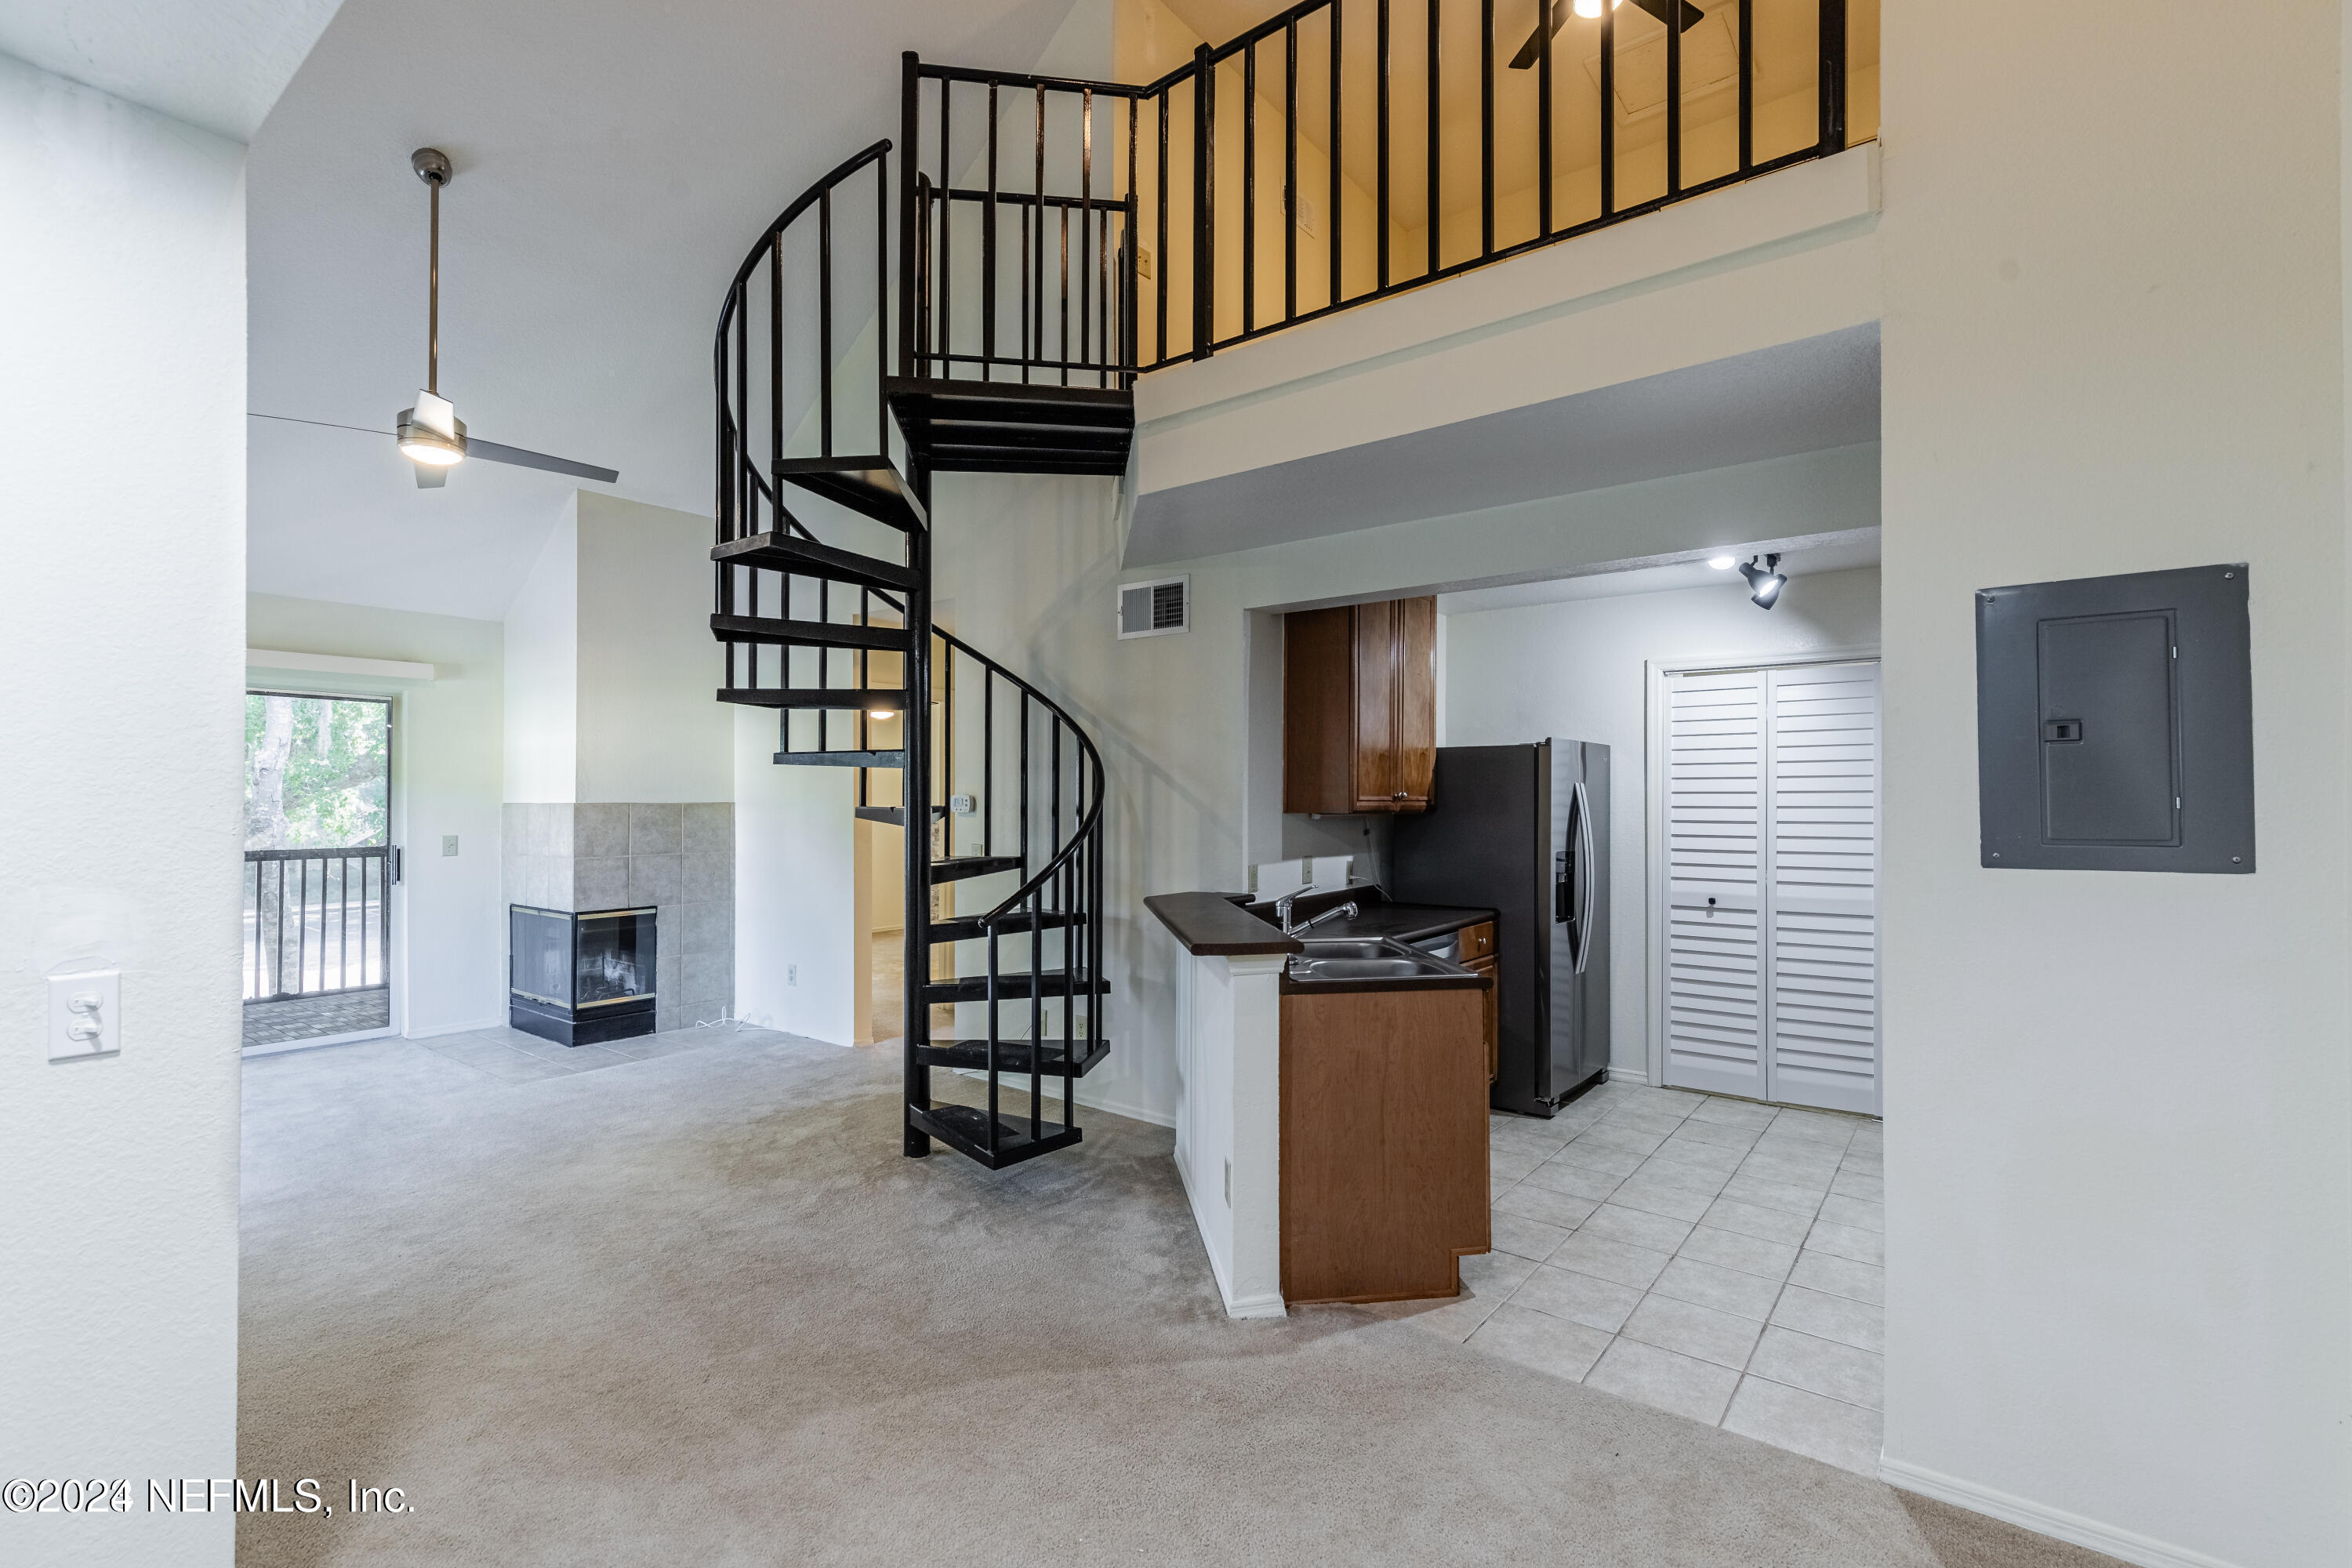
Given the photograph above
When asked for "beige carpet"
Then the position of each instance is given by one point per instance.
(698, 1310)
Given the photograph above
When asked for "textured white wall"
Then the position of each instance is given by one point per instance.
(447, 758)
(1580, 670)
(2119, 1107)
(795, 889)
(120, 792)
(648, 728)
(542, 671)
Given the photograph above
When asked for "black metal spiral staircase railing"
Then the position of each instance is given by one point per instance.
(826, 618)
(990, 316)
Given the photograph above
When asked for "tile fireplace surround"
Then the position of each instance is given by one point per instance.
(679, 859)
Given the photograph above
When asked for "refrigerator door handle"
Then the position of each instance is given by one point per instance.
(1581, 809)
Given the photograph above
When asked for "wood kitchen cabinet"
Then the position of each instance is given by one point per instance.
(1476, 952)
(1383, 1150)
(1359, 707)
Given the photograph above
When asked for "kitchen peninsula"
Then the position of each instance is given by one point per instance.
(1331, 1120)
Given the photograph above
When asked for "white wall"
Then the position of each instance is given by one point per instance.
(1032, 566)
(119, 804)
(648, 727)
(1580, 669)
(795, 889)
(542, 671)
(2119, 1107)
(446, 768)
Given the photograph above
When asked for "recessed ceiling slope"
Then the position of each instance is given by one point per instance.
(1804, 396)
(617, 158)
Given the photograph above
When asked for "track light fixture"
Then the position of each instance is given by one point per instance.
(1765, 581)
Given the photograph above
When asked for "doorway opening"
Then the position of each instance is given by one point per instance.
(320, 867)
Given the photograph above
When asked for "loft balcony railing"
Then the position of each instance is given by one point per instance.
(1076, 233)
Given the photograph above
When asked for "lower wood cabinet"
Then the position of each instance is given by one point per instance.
(1486, 966)
(1384, 1172)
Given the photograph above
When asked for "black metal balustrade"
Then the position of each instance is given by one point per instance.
(1082, 232)
(315, 922)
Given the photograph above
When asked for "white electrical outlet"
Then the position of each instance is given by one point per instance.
(85, 1014)
(448, 844)
(791, 974)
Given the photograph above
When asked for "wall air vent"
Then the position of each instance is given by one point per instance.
(1155, 609)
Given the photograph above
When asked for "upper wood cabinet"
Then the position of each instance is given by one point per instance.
(1359, 707)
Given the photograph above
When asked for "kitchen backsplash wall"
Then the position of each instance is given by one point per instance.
(679, 859)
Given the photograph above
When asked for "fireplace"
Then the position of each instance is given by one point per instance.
(581, 979)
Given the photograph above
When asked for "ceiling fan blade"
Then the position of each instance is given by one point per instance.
(1664, 10)
(429, 478)
(478, 448)
(1545, 28)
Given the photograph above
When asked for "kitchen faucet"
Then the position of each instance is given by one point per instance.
(1282, 913)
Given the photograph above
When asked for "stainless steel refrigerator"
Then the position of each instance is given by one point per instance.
(1525, 831)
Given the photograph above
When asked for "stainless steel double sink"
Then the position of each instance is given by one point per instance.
(1354, 960)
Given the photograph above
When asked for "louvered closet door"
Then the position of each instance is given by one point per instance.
(1822, 885)
(1715, 801)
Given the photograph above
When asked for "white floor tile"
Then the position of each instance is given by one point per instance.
(1725, 1290)
(1852, 1183)
(1859, 1213)
(1657, 1232)
(1749, 1254)
(1524, 1238)
(1722, 1158)
(1563, 1175)
(1602, 1157)
(1847, 1241)
(1717, 1133)
(1735, 1114)
(1820, 1367)
(1665, 1379)
(1722, 1338)
(1840, 1276)
(1826, 1430)
(1578, 1298)
(1616, 1135)
(1766, 1193)
(1613, 1260)
(1855, 1324)
(1754, 1219)
(1544, 1206)
(1545, 1344)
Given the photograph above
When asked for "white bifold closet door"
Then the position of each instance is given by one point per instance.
(1770, 796)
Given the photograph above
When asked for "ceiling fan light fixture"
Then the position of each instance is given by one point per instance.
(431, 432)
(1590, 9)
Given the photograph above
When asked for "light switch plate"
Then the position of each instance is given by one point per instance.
(448, 844)
(85, 1014)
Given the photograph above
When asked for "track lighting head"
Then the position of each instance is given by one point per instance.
(1764, 582)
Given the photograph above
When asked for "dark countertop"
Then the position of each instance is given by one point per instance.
(1216, 923)
(1225, 923)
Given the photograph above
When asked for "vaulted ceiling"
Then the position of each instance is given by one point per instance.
(614, 159)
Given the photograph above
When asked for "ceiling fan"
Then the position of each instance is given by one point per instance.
(431, 435)
(1680, 13)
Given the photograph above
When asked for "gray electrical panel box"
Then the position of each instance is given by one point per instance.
(2115, 723)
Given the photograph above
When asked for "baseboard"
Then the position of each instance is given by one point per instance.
(282, 1047)
(1627, 1074)
(2071, 1527)
(495, 1021)
(1267, 1306)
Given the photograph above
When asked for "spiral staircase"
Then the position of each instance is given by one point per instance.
(824, 608)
